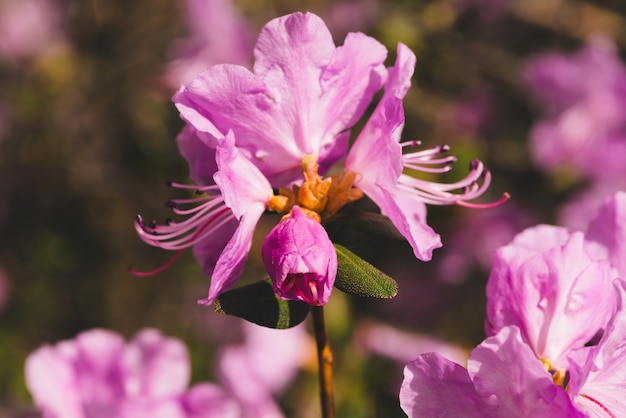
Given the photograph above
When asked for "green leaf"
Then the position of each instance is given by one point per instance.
(358, 277)
(257, 303)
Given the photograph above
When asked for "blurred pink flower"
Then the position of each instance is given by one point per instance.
(260, 368)
(29, 28)
(346, 16)
(403, 346)
(471, 114)
(582, 207)
(218, 34)
(477, 235)
(98, 375)
(585, 127)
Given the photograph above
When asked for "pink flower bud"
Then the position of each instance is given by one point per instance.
(300, 259)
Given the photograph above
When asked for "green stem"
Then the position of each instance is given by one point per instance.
(325, 361)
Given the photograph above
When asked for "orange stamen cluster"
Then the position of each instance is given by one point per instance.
(318, 198)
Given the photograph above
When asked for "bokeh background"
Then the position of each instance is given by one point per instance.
(87, 139)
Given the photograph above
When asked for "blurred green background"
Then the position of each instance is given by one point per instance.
(87, 138)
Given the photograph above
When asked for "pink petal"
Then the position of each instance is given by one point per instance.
(156, 366)
(436, 387)
(198, 148)
(505, 370)
(53, 384)
(605, 386)
(557, 297)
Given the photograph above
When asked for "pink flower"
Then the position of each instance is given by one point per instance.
(300, 259)
(503, 379)
(585, 128)
(218, 34)
(98, 375)
(547, 284)
(269, 134)
(263, 366)
(29, 28)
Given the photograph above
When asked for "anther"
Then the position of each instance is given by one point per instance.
(170, 204)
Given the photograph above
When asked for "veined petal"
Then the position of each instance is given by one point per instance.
(434, 386)
(208, 250)
(302, 97)
(604, 391)
(231, 261)
(559, 297)
(505, 370)
(376, 154)
(241, 183)
(377, 157)
(245, 191)
(229, 97)
(408, 215)
(354, 74)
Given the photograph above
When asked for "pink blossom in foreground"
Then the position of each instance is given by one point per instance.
(547, 284)
(503, 379)
(99, 375)
(218, 34)
(585, 93)
(300, 259)
(598, 383)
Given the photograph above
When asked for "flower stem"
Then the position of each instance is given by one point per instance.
(325, 361)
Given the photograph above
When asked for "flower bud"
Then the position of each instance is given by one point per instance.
(300, 259)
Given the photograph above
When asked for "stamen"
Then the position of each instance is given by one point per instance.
(504, 198)
(157, 270)
(192, 240)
